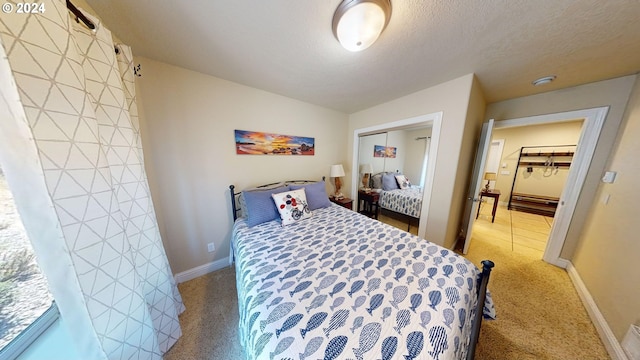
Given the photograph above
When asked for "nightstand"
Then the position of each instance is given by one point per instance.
(495, 194)
(369, 201)
(344, 202)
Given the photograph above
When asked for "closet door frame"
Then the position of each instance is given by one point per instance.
(435, 121)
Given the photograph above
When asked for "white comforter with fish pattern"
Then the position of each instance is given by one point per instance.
(340, 285)
(404, 201)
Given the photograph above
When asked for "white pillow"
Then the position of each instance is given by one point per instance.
(292, 206)
(403, 181)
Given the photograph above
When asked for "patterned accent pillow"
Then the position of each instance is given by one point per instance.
(389, 182)
(403, 181)
(292, 206)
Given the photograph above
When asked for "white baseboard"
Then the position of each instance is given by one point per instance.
(606, 335)
(201, 270)
(560, 262)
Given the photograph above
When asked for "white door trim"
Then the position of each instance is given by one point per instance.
(473, 194)
(433, 119)
(591, 128)
(498, 146)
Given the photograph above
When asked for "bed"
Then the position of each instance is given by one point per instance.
(398, 195)
(335, 284)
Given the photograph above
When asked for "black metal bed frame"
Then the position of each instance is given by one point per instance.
(234, 206)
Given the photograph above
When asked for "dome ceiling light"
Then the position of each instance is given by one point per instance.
(357, 24)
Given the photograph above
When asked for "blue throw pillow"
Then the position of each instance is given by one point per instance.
(260, 205)
(389, 182)
(316, 194)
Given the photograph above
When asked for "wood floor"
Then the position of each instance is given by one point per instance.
(398, 221)
(514, 230)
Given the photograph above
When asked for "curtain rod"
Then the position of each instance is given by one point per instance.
(80, 16)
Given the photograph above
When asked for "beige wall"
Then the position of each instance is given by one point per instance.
(613, 93)
(452, 98)
(537, 182)
(187, 123)
(607, 256)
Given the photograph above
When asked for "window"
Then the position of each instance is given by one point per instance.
(26, 306)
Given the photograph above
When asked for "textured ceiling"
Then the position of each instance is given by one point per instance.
(287, 46)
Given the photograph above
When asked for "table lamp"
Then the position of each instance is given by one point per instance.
(489, 176)
(336, 173)
(366, 170)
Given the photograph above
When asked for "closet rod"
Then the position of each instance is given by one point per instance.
(79, 15)
(543, 146)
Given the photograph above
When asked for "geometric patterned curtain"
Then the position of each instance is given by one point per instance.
(71, 151)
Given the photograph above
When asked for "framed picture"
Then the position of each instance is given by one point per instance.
(260, 143)
(390, 152)
(378, 151)
(384, 151)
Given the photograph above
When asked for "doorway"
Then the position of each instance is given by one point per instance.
(530, 175)
(593, 119)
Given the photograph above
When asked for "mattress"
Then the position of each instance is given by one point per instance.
(404, 201)
(339, 285)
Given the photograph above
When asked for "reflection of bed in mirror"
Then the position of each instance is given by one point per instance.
(398, 196)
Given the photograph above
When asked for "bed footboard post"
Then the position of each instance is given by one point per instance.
(487, 265)
(233, 202)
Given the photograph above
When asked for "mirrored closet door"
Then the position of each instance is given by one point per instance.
(401, 152)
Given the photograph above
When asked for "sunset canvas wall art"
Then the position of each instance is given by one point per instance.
(260, 143)
(384, 151)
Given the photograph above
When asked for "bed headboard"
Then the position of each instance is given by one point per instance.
(235, 208)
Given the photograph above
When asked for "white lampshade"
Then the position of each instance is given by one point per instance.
(490, 176)
(336, 171)
(366, 169)
(357, 24)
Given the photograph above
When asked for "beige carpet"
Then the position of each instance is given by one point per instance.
(210, 321)
(539, 313)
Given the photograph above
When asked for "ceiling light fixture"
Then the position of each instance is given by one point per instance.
(543, 80)
(358, 23)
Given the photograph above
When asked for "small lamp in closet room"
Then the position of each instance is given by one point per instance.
(366, 170)
(336, 173)
(489, 176)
